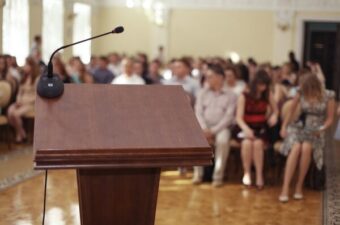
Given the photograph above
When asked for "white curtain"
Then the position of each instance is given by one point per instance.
(15, 40)
(53, 27)
(82, 30)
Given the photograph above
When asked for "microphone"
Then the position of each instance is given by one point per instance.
(50, 85)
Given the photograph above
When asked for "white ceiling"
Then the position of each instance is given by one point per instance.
(319, 5)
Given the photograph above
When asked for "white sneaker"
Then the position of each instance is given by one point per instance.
(298, 196)
(283, 198)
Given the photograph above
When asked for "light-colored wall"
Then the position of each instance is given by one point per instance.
(217, 32)
(136, 37)
(35, 19)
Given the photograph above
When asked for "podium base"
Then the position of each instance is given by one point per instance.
(118, 196)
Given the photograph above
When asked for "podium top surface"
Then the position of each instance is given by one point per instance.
(118, 126)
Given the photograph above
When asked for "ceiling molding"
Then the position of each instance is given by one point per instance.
(273, 5)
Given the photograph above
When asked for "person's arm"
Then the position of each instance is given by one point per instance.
(228, 115)
(330, 114)
(286, 120)
(199, 110)
(239, 117)
(275, 111)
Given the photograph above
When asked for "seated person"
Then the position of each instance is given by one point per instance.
(305, 138)
(215, 108)
(102, 75)
(128, 76)
(252, 119)
(25, 98)
(181, 76)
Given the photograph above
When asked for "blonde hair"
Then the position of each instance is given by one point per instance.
(311, 86)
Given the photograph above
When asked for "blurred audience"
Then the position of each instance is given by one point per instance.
(234, 103)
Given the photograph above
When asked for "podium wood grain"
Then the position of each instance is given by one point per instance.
(118, 138)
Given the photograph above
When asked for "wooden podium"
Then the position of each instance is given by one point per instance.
(118, 138)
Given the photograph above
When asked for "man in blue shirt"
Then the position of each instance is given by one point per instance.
(102, 74)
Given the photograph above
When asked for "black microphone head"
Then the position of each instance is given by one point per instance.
(118, 30)
(50, 87)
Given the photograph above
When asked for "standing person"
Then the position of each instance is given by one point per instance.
(295, 64)
(36, 45)
(215, 108)
(128, 76)
(102, 75)
(306, 137)
(251, 117)
(25, 98)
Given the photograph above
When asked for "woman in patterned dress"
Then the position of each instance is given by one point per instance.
(306, 136)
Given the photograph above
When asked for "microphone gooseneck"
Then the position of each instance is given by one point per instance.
(50, 85)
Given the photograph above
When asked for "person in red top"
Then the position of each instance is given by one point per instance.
(251, 117)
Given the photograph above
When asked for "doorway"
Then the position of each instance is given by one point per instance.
(322, 45)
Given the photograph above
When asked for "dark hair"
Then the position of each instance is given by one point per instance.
(233, 69)
(185, 62)
(35, 71)
(252, 61)
(37, 38)
(244, 72)
(217, 69)
(104, 58)
(261, 77)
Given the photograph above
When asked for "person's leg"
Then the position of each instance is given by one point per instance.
(305, 159)
(198, 174)
(17, 117)
(10, 113)
(246, 155)
(258, 148)
(291, 163)
(13, 121)
(221, 156)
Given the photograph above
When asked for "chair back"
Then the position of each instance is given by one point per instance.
(5, 93)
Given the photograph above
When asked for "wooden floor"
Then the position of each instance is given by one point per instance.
(179, 202)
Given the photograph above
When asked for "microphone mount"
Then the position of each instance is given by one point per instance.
(50, 85)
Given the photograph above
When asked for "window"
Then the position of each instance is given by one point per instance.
(82, 30)
(53, 27)
(15, 29)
